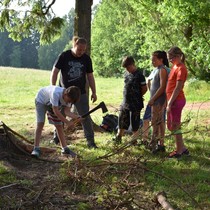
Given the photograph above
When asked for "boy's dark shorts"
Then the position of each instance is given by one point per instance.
(126, 117)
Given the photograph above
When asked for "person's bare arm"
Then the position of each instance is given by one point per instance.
(61, 117)
(75, 117)
(143, 89)
(177, 89)
(149, 83)
(70, 114)
(54, 76)
(161, 89)
(92, 85)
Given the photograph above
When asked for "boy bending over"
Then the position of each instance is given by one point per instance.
(56, 102)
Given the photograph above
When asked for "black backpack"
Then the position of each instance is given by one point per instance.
(110, 123)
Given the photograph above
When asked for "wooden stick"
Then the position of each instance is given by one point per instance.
(162, 200)
(10, 185)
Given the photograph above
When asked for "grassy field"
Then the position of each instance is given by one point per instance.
(186, 181)
(19, 87)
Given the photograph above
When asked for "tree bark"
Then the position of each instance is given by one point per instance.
(82, 28)
(82, 21)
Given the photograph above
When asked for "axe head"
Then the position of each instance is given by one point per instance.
(103, 107)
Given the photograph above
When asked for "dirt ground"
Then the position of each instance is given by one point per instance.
(43, 184)
(38, 184)
(197, 106)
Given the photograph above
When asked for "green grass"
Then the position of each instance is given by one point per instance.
(197, 91)
(18, 90)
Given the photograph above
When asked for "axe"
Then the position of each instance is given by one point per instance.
(101, 105)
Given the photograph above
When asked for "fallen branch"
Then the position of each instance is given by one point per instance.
(7, 186)
(20, 145)
(162, 200)
(15, 133)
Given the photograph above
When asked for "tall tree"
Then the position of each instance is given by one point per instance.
(139, 27)
(6, 47)
(19, 54)
(48, 53)
(82, 21)
(15, 57)
(115, 34)
(21, 17)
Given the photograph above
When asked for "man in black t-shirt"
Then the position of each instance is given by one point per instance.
(134, 89)
(75, 65)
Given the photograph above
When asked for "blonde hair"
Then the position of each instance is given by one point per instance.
(176, 51)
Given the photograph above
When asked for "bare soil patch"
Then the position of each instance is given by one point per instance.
(198, 106)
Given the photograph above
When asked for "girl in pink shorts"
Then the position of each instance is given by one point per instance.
(176, 99)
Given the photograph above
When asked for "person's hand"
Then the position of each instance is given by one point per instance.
(168, 108)
(78, 120)
(151, 102)
(70, 124)
(93, 97)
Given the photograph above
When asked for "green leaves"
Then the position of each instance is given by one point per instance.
(140, 27)
(27, 17)
(4, 18)
(51, 30)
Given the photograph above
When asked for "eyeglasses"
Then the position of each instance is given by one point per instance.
(171, 57)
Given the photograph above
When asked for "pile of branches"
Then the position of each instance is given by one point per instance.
(119, 185)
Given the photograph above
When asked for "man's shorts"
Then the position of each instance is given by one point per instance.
(42, 109)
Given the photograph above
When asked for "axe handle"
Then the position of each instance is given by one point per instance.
(92, 110)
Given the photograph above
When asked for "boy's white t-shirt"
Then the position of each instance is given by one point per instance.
(51, 95)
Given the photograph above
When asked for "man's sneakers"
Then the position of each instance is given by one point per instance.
(36, 152)
(92, 145)
(67, 151)
(174, 154)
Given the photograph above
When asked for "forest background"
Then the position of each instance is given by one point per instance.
(120, 28)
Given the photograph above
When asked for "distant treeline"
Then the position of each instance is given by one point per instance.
(28, 53)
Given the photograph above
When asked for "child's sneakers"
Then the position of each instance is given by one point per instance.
(67, 151)
(36, 152)
(186, 152)
(159, 148)
(117, 139)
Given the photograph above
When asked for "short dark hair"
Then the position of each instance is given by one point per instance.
(78, 40)
(73, 93)
(127, 61)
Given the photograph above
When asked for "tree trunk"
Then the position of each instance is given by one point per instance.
(82, 25)
(82, 28)
(82, 21)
